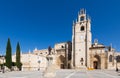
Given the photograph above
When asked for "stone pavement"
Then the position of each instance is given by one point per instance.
(21, 74)
(64, 74)
(88, 74)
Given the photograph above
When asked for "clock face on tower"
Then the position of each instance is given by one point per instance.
(81, 37)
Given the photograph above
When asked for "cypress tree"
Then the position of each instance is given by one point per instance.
(8, 54)
(18, 62)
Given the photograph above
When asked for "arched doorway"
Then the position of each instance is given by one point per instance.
(96, 62)
(62, 61)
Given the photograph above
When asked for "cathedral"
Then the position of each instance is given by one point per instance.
(81, 53)
(86, 54)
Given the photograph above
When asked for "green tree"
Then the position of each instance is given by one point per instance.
(18, 62)
(8, 54)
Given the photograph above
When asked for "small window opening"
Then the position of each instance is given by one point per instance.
(82, 28)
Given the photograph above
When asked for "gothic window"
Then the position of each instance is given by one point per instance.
(81, 60)
(82, 28)
(118, 58)
(110, 58)
(82, 18)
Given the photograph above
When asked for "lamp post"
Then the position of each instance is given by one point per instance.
(3, 58)
(39, 64)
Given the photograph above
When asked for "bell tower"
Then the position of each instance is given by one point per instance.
(81, 41)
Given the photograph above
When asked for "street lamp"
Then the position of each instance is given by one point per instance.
(3, 58)
(39, 64)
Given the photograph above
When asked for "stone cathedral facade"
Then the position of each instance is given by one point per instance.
(88, 54)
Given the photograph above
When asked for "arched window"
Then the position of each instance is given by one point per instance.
(118, 58)
(82, 28)
(62, 46)
(110, 58)
(82, 18)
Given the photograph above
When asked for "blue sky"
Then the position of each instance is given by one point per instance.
(40, 23)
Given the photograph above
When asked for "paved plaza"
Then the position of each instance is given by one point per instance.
(64, 74)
